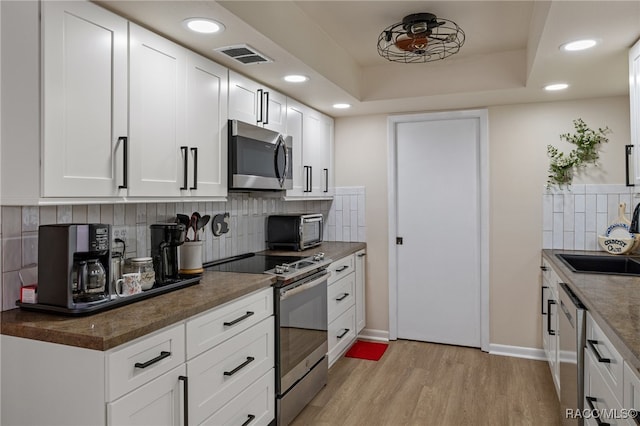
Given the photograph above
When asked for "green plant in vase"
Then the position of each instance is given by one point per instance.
(563, 166)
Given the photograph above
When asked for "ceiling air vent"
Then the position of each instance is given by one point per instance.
(245, 54)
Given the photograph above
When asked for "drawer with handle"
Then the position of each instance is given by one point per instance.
(608, 359)
(341, 268)
(222, 323)
(341, 334)
(255, 406)
(599, 399)
(341, 296)
(144, 359)
(219, 374)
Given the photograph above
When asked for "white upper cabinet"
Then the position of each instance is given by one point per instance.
(634, 98)
(206, 130)
(157, 92)
(312, 134)
(84, 100)
(256, 104)
(317, 154)
(178, 104)
(295, 126)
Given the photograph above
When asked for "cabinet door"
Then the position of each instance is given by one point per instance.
(318, 153)
(206, 126)
(244, 99)
(634, 99)
(631, 389)
(84, 99)
(361, 318)
(157, 125)
(158, 403)
(274, 112)
(326, 166)
(295, 129)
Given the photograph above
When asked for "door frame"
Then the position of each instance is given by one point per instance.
(483, 187)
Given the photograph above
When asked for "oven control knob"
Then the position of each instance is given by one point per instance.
(285, 267)
(318, 257)
(279, 269)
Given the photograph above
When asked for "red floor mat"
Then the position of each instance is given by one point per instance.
(367, 350)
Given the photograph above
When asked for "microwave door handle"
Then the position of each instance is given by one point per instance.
(281, 176)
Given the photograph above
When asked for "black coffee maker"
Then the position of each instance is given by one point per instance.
(74, 262)
(165, 239)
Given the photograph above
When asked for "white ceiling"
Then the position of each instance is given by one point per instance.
(511, 49)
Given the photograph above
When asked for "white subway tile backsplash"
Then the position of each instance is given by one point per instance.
(130, 222)
(93, 213)
(584, 213)
(558, 202)
(11, 222)
(65, 214)
(579, 203)
(30, 218)
(569, 241)
(79, 214)
(602, 203)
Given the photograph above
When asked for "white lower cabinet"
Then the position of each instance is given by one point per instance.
(343, 299)
(159, 402)
(254, 406)
(631, 390)
(225, 371)
(152, 380)
(599, 400)
(361, 317)
(549, 318)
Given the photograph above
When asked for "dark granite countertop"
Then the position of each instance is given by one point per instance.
(612, 300)
(106, 330)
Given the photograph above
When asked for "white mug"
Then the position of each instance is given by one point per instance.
(128, 285)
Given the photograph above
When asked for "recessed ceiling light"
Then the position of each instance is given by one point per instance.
(296, 78)
(342, 106)
(556, 86)
(203, 25)
(579, 45)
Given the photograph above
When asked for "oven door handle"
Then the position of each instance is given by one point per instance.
(303, 287)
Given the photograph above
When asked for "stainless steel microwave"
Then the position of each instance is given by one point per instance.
(259, 159)
(294, 232)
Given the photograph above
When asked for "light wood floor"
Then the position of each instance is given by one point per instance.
(424, 384)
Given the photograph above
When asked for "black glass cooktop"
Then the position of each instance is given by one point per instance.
(252, 264)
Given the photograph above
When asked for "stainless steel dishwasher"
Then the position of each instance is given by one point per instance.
(572, 330)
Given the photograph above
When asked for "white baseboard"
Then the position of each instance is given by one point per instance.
(375, 335)
(517, 351)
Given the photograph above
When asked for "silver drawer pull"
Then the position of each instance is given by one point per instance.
(163, 355)
(249, 360)
(342, 268)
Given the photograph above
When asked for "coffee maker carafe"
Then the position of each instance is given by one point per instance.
(165, 239)
(74, 265)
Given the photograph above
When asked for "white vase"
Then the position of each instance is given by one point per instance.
(191, 257)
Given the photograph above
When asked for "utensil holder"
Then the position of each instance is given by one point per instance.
(191, 257)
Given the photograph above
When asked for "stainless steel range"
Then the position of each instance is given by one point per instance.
(301, 326)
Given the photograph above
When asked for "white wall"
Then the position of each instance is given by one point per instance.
(518, 136)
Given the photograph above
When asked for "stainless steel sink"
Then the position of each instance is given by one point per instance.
(595, 264)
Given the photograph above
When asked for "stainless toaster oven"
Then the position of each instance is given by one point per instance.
(294, 232)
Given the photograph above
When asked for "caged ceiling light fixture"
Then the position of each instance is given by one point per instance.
(420, 37)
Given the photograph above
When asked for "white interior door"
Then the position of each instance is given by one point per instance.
(438, 217)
